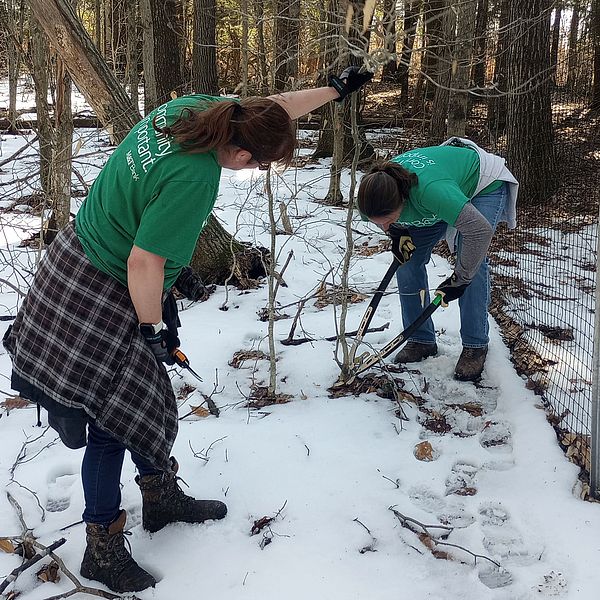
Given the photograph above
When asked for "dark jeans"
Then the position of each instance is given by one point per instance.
(473, 304)
(101, 475)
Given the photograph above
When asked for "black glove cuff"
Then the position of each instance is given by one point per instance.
(339, 86)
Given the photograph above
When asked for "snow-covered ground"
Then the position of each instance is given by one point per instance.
(337, 474)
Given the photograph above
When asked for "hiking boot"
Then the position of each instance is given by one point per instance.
(108, 561)
(470, 364)
(164, 502)
(415, 352)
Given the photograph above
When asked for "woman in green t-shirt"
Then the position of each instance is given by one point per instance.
(417, 196)
(89, 343)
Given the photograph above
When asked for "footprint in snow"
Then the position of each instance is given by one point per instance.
(450, 512)
(60, 490)
(462, 480)
(496, 435)
(501, 538)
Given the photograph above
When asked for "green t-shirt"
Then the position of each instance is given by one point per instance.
(152, 194)
(448, 177)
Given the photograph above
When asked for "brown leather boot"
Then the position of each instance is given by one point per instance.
(164, 502)
(470, 364)
(108, 561)
(415, 352)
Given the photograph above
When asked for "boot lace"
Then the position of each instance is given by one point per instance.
(119, 545)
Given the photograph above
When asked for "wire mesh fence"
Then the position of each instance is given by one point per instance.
(545, 272)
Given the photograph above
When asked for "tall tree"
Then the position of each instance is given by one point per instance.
(390, 69)
(162, 72)
(497, 103)
(204, 52)
(441, 69)
(573, 38)
(462, 62)
(286, 43)
(412, 9)
(133, 55)
(530, 149)
(480, 46)
(558, 10)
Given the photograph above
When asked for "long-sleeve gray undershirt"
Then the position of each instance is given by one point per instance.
(476, 234)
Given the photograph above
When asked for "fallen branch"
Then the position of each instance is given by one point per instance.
(29, 563)
(297, 342)
(431, 542)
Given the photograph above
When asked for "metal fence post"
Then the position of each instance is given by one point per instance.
(595, 408)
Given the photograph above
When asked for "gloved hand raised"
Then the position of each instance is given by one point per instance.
(402, 243)
(190, 285)
(161, 341)
(350, 80)
(450, 289)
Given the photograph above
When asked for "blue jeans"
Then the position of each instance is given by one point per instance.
(412, 278)
(101, 475)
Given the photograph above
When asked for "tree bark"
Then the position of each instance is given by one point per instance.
(390, 69)
(89, 71)
(572, 52)
(462, 62)
(162, 72)
(286, 43)
(62, 149)
(481, 25)
(555, 40)
(497, 104)
(259, 13)
(204, 53)
(444, 63)
(133, 55)
(529, 116)
(412, 9)
(40, 54)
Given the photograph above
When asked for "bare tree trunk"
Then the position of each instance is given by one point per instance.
(529, 123)
(572, 52)
(11, 29)
(259, 11)
(40, 55)
(555, 38)
(330, 49)
(480, 62)
(62, 148)
(390, 69)
(412, 9)
(97, 23)
(446, 38)
(83, 60)
(286, 43)
(497, 104)
(204, 52)
(133, 56)
(458, 105)
(245, 64)
(162, 73)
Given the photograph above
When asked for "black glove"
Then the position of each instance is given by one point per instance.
(402, 243)
(190, 285)
(451, 290)
(161, 342)
(349, 81)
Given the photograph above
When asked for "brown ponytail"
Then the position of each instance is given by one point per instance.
(384, 189)
(258, 125)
